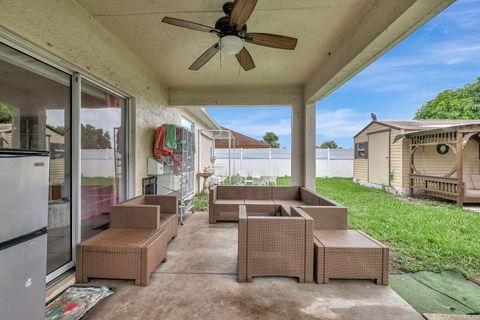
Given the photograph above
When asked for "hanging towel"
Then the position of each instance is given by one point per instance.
(159, 138)
(171, 138)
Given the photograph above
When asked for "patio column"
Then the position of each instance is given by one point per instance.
(303, 145)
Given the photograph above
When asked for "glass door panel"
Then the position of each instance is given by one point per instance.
(102, 117)
(35, 106)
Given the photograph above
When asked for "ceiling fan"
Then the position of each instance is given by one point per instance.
(232, 31)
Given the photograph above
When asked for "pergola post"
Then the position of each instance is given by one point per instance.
(460, 149)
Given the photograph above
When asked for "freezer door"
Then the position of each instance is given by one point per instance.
(23, 269)
(23, 193)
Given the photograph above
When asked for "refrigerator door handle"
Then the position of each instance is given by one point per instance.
(23, 238)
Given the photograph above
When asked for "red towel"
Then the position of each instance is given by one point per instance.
(159, 148)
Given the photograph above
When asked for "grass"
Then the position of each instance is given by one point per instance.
(99, 181)
(424, 235)
(200, 202)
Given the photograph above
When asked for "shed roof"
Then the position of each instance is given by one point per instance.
(421, 125)
(241, 141)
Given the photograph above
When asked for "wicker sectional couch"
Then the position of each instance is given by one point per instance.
(224, 201)
(135, 243)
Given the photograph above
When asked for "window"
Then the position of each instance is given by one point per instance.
(361, 150)
(187, 124)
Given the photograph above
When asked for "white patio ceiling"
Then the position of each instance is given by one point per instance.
(336, 39)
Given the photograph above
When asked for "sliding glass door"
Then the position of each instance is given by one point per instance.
(102, 118)
(35, 108)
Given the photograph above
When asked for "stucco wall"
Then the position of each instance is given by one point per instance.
(69, 34)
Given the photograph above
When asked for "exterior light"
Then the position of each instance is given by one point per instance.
(231, 44)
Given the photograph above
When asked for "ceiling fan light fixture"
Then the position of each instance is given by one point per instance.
(231, 44)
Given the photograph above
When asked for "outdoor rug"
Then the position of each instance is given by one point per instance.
(74, 302)
(446, 292)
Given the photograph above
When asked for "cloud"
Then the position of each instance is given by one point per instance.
(340, 123)
(256, 122)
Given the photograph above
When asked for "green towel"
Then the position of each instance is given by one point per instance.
(171, 137)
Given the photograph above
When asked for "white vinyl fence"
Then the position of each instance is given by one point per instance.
(276, 162)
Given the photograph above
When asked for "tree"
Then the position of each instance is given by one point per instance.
(5, 113)
(461, 103)
(271, 139)
(59, 129)
(329, 144)
(93, 138)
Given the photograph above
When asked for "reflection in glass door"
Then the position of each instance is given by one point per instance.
(102, 117)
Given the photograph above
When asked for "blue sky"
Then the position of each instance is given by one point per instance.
(443, 54)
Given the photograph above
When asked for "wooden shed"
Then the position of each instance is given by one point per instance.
(418, 156)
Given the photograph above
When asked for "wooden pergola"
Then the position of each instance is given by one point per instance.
(446, 186)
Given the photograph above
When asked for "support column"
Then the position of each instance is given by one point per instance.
(309, 145)
(303, 145)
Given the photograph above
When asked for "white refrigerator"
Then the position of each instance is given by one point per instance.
(24, 178)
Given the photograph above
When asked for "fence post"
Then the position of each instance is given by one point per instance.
(270, 162)
(328, 162)
(241, 160)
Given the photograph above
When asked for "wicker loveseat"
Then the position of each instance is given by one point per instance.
(472, 188)
(224, 201)
(134, 245)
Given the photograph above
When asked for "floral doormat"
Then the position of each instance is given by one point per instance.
(74, 302)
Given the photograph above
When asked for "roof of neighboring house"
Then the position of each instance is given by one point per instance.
(241, 141)
(421, 125)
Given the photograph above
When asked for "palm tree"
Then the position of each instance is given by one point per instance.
(271, 139)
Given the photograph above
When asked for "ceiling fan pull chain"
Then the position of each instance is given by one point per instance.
(220, 45)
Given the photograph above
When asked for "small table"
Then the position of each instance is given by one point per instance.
(349, 254)
(205, 176)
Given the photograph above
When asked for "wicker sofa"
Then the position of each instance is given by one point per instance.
(278, 244)
(224, 201)
(135, 243)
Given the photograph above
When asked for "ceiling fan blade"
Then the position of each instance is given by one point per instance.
(242, 10)
(245, 59)
(189, 25)
(205, 57)
(271, 40)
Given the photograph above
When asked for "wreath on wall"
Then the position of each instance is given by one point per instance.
(442, 149)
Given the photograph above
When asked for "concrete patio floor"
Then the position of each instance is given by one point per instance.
(198, 281)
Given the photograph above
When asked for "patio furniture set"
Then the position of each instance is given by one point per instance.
(292, 231)
(282, 231)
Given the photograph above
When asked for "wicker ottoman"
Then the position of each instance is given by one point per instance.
(121, 253)
(349, 254)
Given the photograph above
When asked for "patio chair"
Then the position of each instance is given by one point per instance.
(134, 245)
(279, 244)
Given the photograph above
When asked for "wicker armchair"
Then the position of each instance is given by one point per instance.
(280, 245)
(134, 245)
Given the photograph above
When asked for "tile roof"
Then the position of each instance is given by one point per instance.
(241, 141)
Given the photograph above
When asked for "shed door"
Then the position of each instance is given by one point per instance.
(378, 157)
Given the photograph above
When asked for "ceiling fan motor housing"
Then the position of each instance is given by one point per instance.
(223, 24)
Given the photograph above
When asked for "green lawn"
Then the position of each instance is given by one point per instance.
(101, 181)
(424, 235)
